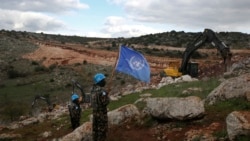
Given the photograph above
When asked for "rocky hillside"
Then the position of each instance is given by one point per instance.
(41, 64)
(221, 115)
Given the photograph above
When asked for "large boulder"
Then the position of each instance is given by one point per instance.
(231, 88)
(238, 123)
(23, 123)
(123, 114)
(176, 108)
(82, 133)
(115, 117)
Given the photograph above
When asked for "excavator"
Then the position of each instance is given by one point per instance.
(191, 68)
(44, 98)
(85, 97)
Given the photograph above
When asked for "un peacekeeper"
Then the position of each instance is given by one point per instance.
(100, 100)
(75, 111)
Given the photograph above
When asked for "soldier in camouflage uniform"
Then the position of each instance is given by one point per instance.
(75, 111)
(100, 100)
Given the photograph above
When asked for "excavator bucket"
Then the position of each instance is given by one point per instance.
(173, 69)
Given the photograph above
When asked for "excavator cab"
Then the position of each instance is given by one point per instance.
(192, 69)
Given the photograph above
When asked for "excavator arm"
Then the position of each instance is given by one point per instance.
(44, 98)
(208, 36)
(85, 97)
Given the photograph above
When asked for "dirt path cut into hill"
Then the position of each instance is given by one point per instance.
(51, 54)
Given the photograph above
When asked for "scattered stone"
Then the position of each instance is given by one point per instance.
(238, 123)
(145, 95)
(247, 94)
(46, 134)
(9, 136)
(202, 134)
(192, 90)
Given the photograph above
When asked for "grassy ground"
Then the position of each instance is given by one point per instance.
(17, 93)
(214, 114)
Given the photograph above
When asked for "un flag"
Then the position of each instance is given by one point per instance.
(133, 63)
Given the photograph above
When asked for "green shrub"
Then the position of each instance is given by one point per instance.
(242, 138)
(52, 67)
(51, 80)
(14, 74)
(84, 62)
(229, 105)
(13, 110)
(34, 63)
(122, 82)
(77, 64)
(220, 134)
(40, 69)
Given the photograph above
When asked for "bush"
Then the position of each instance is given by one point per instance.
(53, 66)
(14, 74)
(40, 68)
(122, 82)
(51, 80)
(13, 110)
(84, 62)
(34, 63)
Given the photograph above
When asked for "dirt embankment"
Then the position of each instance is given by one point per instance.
(60, 54)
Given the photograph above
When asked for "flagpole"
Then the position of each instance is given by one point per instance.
(113, 71)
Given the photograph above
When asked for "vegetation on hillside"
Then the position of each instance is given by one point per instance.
(214, 113)
(22, 79)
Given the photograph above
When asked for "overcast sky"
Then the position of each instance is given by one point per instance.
(124, 18)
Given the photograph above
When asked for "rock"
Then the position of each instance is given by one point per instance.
(203, 134)
(145, 95)
(230, 88)
(46, 134)
(176, 108)
(247, 94)
(115, 117)
(9, 136)
(25, 122)
(187, 78)
(238, 123)
(237, 66)
(123, 114)
(191, 90)
(169, 80)
(113, 98)
(227, 74)
(82, 133)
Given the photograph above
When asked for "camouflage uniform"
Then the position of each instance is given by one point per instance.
(75, 114)
(100, 100)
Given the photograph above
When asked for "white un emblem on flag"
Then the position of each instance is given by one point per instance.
(136, 63)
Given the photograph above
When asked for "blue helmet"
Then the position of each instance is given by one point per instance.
(98, 77)
(74, 97)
